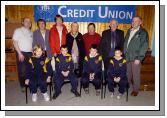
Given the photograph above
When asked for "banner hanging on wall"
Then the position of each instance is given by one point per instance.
(86, 13)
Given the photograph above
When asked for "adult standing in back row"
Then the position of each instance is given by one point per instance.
(135, 47)
(22, 40)
(57, 36)
(111, 38)
(41, 37)
(91, 37)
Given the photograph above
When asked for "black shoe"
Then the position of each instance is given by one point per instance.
(55, 95)
(22, 89)
(76, 93)
(86, 90)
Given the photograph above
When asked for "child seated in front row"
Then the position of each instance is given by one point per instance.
(92, 68)
(64, 70)
(39, 72)
(117, 73)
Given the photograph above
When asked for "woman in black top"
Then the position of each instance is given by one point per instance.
(76, 47)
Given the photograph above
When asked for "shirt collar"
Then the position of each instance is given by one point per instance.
(135, 29)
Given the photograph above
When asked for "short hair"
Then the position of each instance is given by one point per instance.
(58, 16)
(93, 46)
(41, 20)
(63, 46)
(74, 23)
(138, 17)
(92, 25)
(118, 49)
(22, 20)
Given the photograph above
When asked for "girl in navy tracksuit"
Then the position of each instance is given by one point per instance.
(39, 72)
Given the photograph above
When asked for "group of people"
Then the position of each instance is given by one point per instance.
(79, 56)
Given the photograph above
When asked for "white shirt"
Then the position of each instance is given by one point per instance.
(75, 51)
(24, 37)
(43, 35)
(60, 29)
(132, 33)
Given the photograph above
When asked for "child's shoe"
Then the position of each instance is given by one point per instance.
(98, 92)
(112, 94)
(46, 97)
(34, 97)
(119, 96)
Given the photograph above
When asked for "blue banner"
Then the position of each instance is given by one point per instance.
(86, 13)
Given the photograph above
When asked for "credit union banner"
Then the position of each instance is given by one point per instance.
(86, 13)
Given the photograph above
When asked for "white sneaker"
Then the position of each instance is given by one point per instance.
(34, 97)
(119, 96)
(112, 94)
(46, 97)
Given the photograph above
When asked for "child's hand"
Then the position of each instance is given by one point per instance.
(67, 73)
(63, 73)
(137, 62)
(48, 79)
(91, 76)
(27, 82)
(117, 79)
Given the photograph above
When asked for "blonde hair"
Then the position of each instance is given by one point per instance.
(36, 47)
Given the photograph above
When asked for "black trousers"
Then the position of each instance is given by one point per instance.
(21, 67)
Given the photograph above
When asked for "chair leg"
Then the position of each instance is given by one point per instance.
(102, 90)
(105, 90)
(26, 94)
(127, 88)
(80, 88)
(50, 87)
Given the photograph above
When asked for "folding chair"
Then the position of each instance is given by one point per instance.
(102, 80)
(127, 89)
(50, 89)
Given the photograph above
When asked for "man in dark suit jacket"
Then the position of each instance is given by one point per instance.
(41, 37)
(111, 38)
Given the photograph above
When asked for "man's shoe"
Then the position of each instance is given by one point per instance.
(134, 93)
(86, 90)
(23, 89)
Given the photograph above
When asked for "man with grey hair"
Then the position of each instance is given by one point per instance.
(111, 38)
(135, 47)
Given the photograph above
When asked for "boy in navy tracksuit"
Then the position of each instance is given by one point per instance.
(39, 72)
(117, 73)
(92, 68)
(64, 70)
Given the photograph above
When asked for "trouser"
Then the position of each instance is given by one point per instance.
(96, 81)
(133, 75)
(21, 67)
(122, 85)
(35, 83)
(59, 80)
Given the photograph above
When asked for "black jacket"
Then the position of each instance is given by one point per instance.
(105, 44)
(80, 44)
